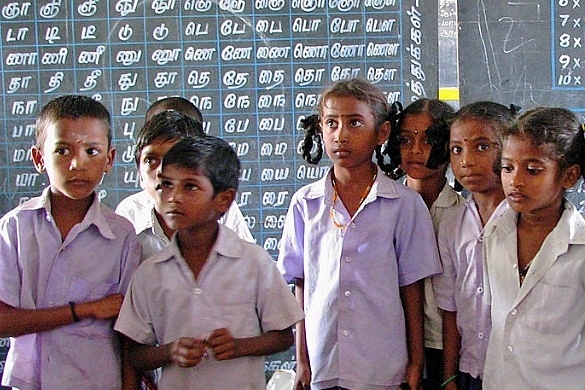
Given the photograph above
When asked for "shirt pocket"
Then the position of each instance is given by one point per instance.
(549, 301)
(240, 317)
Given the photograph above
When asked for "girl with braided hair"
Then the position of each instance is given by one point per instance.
(357, 245)
(422, 150)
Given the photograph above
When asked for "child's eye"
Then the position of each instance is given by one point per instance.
(404, 140)
(191, 187)
(534, 170)
(331, 123)
(93, 151)
(151, 161)
(506, 168)
(164, 185)
(62, 151)
(356, 123)
(483, 147)
(455, 149)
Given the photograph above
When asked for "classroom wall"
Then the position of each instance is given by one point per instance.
(254, 68)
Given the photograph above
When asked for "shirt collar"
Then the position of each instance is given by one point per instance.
(144, 220)
(383, 187)
(227, 244)
(94, 215)
(571, 220)
(447, 197)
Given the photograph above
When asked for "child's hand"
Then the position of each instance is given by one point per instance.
(106, 308)
(188, 352)
(222, 343)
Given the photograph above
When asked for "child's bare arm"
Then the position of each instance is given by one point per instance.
(225, 346)
(451, 346)
(17, 322)
(303, 377)
(130, 376)
(185, 351)
(412, 300)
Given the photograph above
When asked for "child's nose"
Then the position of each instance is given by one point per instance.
(416, 147)
(466, 160)
(76, 161)
(516, 179)
(342, 133)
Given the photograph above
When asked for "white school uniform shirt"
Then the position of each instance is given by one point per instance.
(460, 288)
(239, 288)
(538, 329)
(139, 209)
(448, 198)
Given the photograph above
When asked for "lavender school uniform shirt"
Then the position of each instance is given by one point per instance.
(354, 316)
(40, 270)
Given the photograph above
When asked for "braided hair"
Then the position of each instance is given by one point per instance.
(359, 89)
(437, 134)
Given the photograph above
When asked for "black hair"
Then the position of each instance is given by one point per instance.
(167, 125)
(74, 107)
(437, 133)
(359, 89)
(495, 115)
(176, 103)
(558, 130)
(210, 156)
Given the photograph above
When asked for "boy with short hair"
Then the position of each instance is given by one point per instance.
(209, 306)
(176, 103)
(161, 131)
(66, 259)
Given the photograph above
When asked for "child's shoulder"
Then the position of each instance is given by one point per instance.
(230, 244)
(115, 220)
(135, 202)
(19, 212)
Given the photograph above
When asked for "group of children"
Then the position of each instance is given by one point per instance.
(398, 282)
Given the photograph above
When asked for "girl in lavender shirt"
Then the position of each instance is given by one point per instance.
(357, 245)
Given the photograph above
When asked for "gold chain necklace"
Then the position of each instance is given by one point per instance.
(335, 196)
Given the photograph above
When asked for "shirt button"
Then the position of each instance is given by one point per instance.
(510, 348)
(197, 291)
(353, 224)
(480, 289)
(514, 266)
(481, 335)
(345, 332)
(347, 293)
(348, 259)
(514, 312)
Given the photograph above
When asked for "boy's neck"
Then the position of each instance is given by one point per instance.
(166, 230)
(69, 212)
(195, 245)
(487, 202)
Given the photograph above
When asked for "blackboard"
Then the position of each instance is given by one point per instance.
(254, 68)
(529, 53)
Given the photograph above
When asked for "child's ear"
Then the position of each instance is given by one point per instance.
(571, 176)
(383, 132)
(110, 163)
(38, 161)
(225, 199)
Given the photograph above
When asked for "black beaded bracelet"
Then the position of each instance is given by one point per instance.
(73, 314)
